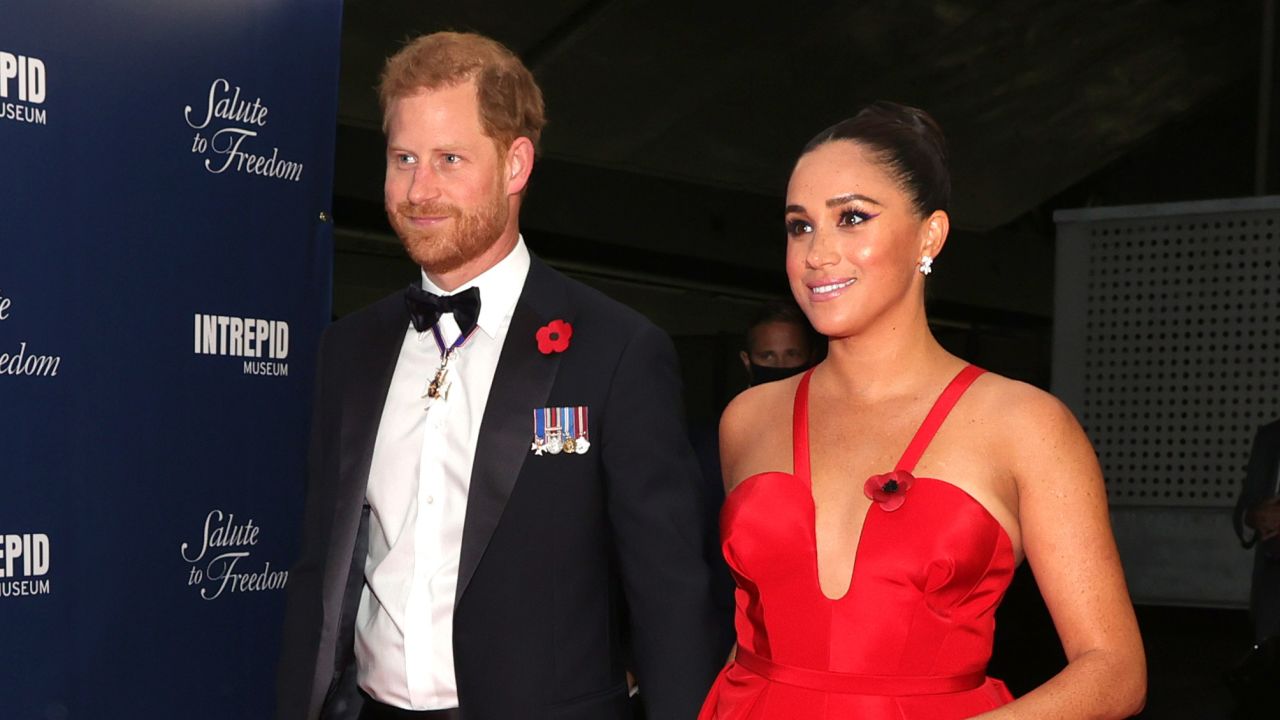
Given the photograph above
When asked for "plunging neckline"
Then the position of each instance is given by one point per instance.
(801, 462)
(910, 636)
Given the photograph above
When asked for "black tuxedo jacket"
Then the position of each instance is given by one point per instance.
(558, 551)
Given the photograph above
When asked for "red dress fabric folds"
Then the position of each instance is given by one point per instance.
(911, 637)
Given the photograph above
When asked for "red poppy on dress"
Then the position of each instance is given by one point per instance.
(889, 490)
(554, 337)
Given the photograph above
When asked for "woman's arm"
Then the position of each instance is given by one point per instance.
(1067, 539)
(733, 422)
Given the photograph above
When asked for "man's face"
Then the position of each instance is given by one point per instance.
(445, 189)
(777, 344)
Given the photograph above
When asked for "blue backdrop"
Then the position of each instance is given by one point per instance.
(165, 265)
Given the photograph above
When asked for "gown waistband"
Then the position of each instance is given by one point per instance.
(834, 682)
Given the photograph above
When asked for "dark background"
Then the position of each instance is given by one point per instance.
(673, 127)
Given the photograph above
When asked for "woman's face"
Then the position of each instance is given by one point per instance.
(854, 239)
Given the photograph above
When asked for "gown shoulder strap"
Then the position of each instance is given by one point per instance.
(937, 414)
(800, 429)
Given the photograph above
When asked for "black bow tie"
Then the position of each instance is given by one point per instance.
(426, 308)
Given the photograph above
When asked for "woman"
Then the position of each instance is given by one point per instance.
(879, 504)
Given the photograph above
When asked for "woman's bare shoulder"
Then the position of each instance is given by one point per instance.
(1027, 425)
(1016, 404)
(757, 412)
(759, 403)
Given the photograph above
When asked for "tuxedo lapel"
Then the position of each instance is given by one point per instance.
(374, 364)
(521, 383)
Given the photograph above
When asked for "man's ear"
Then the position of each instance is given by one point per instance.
(519, 165)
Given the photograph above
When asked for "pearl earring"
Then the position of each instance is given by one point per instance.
(926, 264)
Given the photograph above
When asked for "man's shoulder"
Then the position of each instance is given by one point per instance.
(592, 307)
(583, 304)
(379, 317)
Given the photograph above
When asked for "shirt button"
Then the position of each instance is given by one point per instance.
(431, 499)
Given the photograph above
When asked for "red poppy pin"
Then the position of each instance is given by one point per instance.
(889, 490)
(554, 337)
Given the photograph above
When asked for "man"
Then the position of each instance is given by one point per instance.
(1258, 508)
(779, 344)
(491, 482)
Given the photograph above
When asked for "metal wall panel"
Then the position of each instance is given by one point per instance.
(1167, 347)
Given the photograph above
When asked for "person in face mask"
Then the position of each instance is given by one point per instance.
(779, 344)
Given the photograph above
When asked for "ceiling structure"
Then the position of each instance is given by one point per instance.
(673, 125)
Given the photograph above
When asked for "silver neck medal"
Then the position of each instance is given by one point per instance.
(438, 388)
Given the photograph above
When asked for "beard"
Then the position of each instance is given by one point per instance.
(466, 235)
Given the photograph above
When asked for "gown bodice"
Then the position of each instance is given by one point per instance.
(911, 636)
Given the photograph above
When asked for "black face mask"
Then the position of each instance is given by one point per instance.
(761, 374)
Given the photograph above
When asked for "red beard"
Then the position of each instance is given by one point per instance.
(460, 239)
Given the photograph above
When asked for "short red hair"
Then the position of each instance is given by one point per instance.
(510, 100)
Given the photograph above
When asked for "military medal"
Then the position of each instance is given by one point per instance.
(438, 388)
(555, 431)
(560, 430)
(567, 422)
(580, 442)
(539, 431)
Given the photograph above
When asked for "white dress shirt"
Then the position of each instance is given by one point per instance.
(417, 493)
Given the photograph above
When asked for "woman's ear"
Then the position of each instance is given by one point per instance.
(933, 233)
